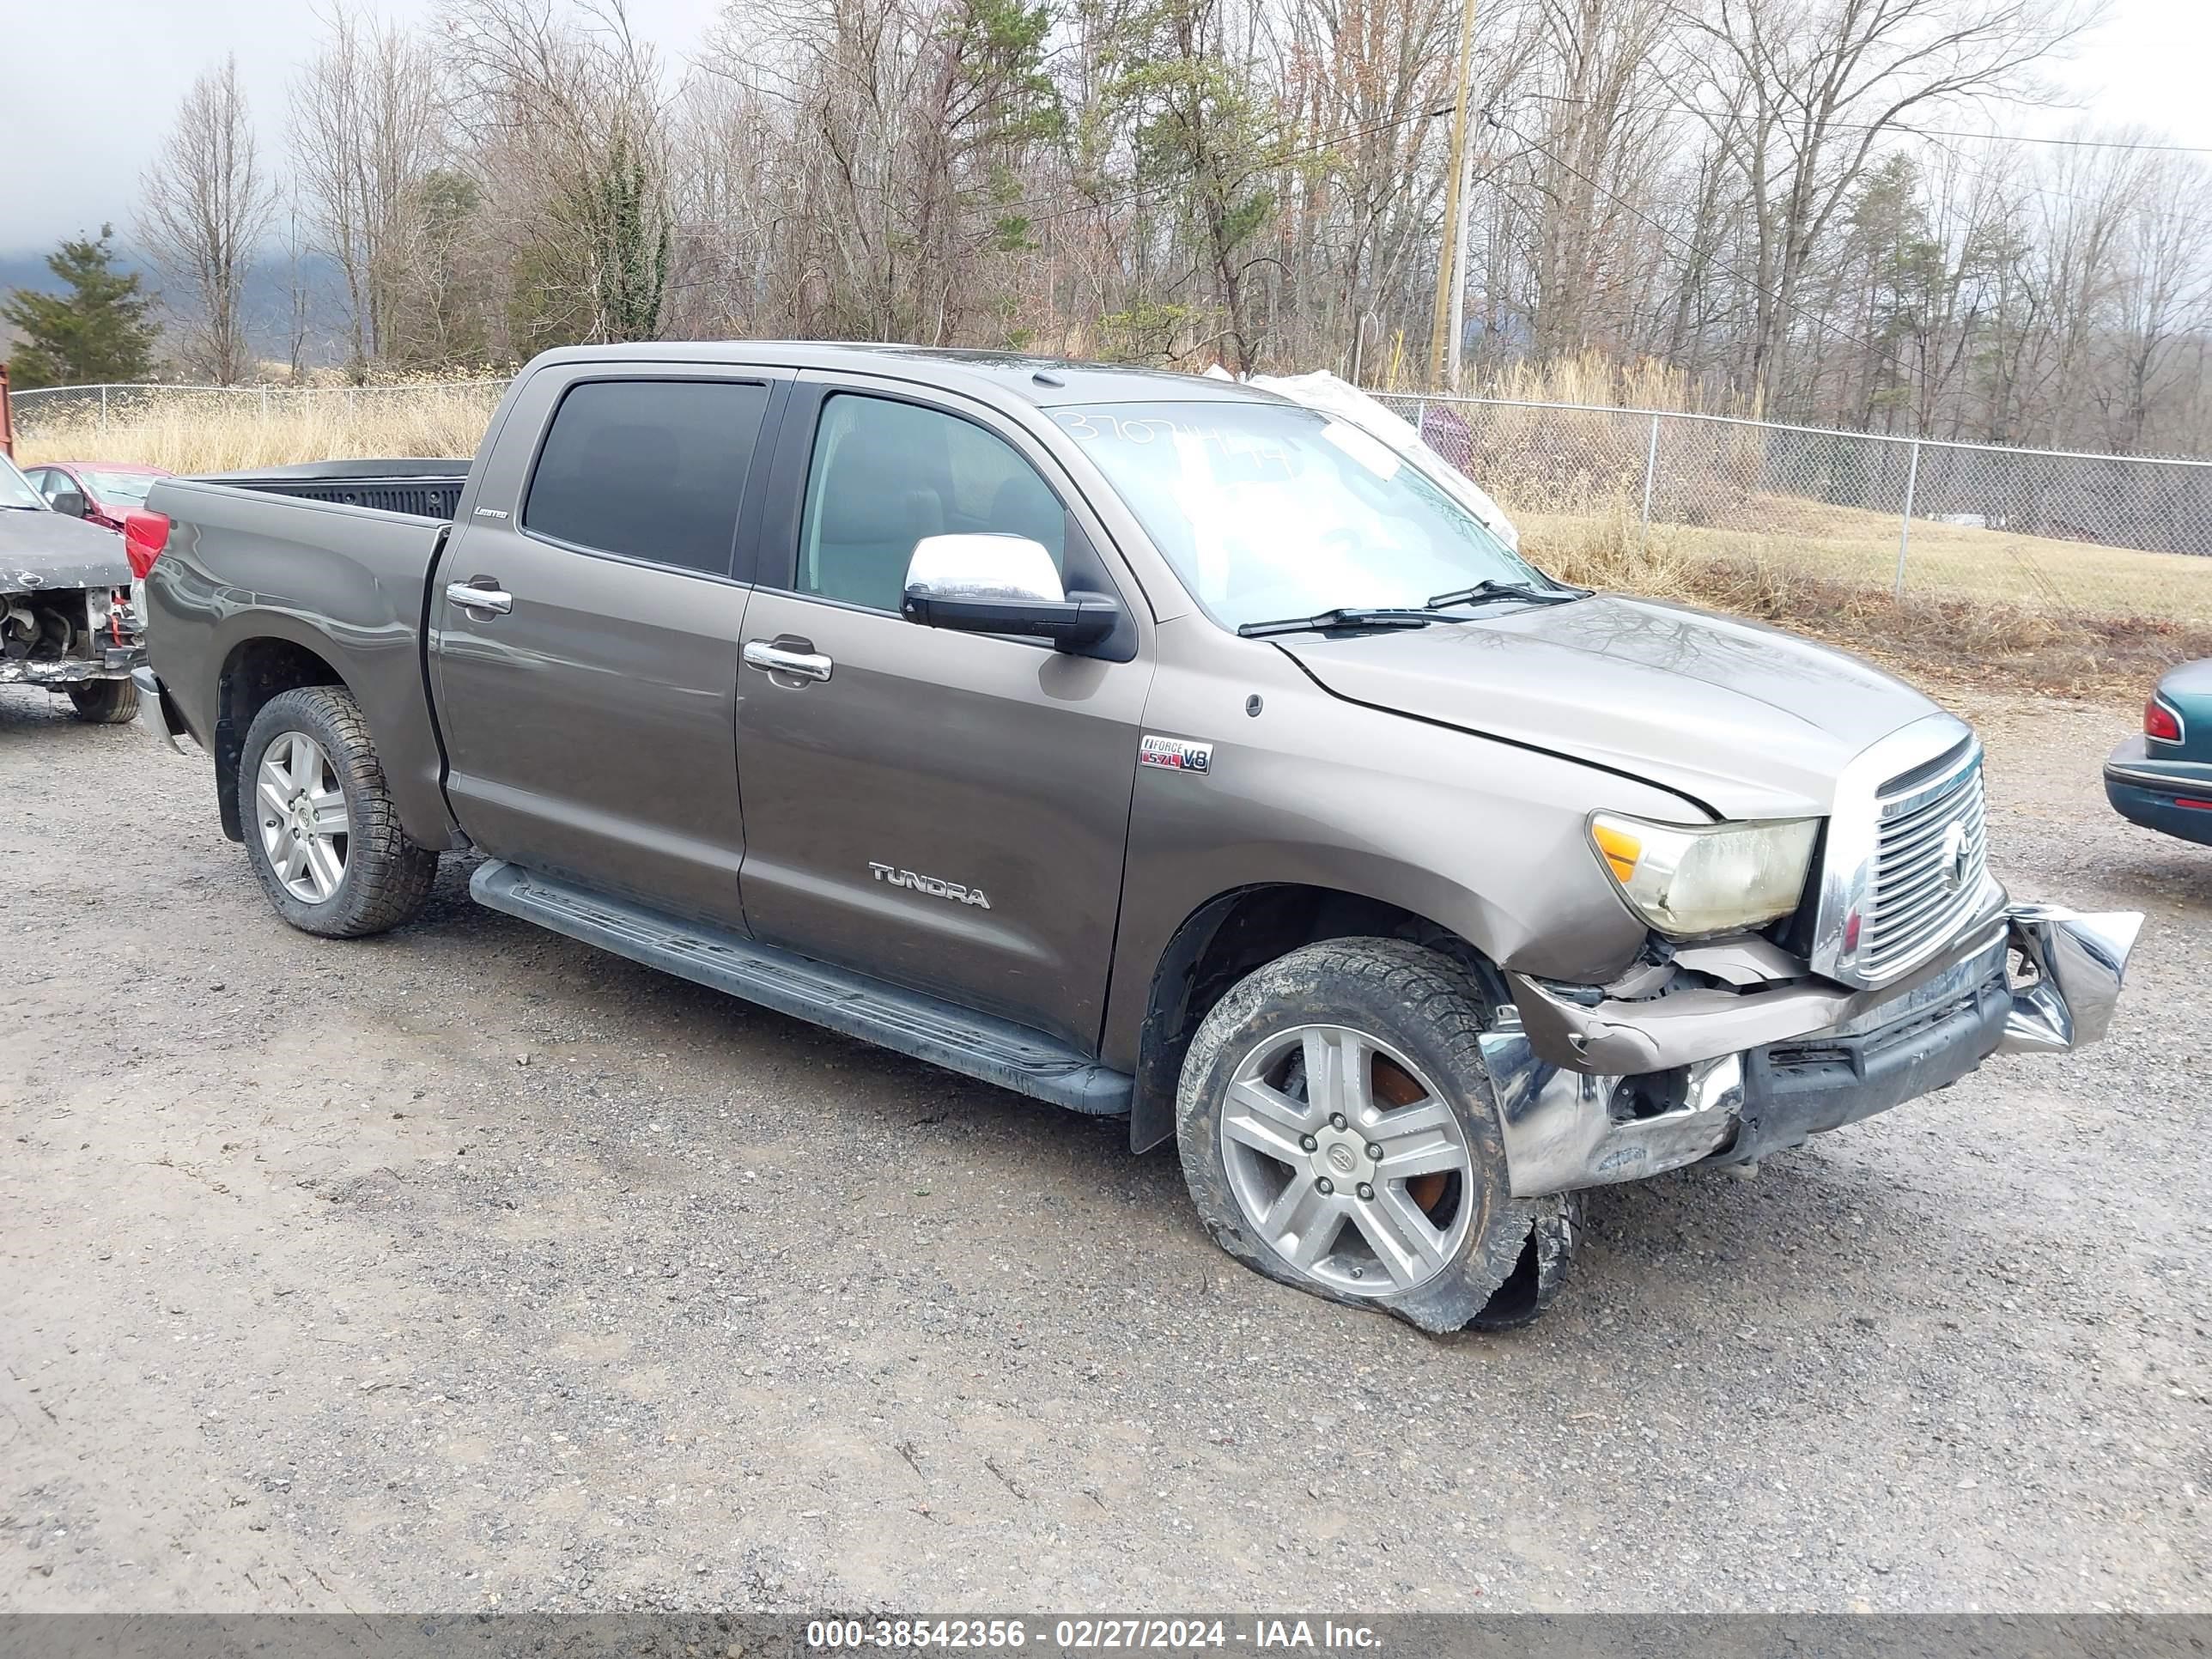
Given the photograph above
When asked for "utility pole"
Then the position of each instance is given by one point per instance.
(1444, 329)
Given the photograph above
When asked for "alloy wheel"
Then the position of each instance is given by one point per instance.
(1347, 1160)
(305, 826)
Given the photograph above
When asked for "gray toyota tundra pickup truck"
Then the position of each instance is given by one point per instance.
(1150, 746)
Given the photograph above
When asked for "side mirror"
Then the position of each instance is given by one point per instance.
(69, 500)
(1001, 585)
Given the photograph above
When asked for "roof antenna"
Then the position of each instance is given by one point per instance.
(1043, 378)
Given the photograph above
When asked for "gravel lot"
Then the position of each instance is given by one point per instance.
(468, 1268)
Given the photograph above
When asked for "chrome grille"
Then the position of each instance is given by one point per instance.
(1930, 853)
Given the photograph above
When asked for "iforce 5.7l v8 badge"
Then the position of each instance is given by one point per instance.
(1175, 754)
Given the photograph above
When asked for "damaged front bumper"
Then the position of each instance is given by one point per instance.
(1619, 1089)
(111, 663)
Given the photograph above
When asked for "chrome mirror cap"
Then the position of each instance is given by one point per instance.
(1006, 570)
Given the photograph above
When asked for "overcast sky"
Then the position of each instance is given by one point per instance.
(92, 84)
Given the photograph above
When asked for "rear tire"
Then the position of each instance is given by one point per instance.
(321, 832)
(104, 702)
(1285, 1173)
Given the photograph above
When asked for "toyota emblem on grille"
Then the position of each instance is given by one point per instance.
(1953, 862)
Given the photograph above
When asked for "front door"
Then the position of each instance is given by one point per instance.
(585, 635)
(949, 811)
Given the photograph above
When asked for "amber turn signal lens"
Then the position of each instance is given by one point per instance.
(1622, 851)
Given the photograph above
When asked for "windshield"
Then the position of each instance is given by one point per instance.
(1268, 511)
(15, 489)
(125, 489)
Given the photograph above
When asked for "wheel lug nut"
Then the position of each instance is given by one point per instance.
(1366, 1194)
(1373, 1153)
(1307, 1142)
(1325, 1185)
(1336, 1119)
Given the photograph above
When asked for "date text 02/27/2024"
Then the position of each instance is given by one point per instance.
(1287, 1635)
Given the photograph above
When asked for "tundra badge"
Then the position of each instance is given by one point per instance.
(934, 886)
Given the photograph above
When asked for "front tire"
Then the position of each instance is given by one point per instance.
(104, 702)
(1338, 1133)
(321, 832)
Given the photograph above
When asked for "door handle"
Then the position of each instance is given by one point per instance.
(472, 597)
(781, 659)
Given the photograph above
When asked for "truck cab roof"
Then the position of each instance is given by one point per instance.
(1045, 382)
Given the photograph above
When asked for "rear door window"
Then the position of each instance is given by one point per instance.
(650, 470)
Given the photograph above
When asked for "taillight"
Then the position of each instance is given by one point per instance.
(144, 535)
(2159, 722)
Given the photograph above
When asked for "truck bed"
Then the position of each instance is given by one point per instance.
(419, 489)
(267, 558)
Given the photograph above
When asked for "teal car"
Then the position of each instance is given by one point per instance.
(2162, 779)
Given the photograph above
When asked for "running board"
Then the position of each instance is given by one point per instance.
(996, 1050)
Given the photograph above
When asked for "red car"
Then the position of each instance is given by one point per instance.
(98, 492)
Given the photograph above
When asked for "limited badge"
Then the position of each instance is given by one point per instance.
(1175, 754)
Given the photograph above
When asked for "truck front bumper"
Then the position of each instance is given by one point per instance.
(1566, 1127)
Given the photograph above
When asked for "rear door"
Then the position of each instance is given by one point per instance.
(948, 811)
(586, 624)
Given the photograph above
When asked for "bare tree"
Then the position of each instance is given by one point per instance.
(1801, 95)
(2165, 295)
(296, 295)
(1738, 188)
(1597, 73)
(205, 207)
(568, 128)
(368, 129)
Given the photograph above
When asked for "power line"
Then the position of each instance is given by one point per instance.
(1918, 131)
(1895, 357)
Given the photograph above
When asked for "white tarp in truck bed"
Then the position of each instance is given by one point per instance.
(1323, 390)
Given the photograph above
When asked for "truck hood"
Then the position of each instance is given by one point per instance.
(53, 550)
(1750, 721)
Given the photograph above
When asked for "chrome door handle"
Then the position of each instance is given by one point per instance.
(470, 598)
(777, 660)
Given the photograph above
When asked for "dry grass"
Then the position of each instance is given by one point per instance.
(1954, 636)
(187, 432)
(1593, 378)
(2037, 573)
(1981, 605)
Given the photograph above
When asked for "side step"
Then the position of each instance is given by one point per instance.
(996, 1050)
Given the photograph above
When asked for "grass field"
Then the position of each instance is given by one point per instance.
(1850, 544)
(197, 433)
(1979, 605)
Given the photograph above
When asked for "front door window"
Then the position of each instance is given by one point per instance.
(886, 474)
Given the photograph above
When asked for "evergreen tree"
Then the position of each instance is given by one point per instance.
(97, 330)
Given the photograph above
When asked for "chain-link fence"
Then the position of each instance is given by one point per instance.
(2091, 535)
(199, 429)
(90, 408)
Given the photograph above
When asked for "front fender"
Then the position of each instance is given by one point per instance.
(1485, 838)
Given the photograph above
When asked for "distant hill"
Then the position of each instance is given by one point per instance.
(268, 299)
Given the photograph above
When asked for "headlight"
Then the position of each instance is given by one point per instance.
(1688, 880)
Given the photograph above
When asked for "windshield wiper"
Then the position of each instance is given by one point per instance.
(1349, 616)
(1487, 589)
